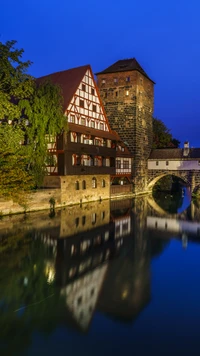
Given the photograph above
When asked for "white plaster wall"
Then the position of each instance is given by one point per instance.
(174, 165)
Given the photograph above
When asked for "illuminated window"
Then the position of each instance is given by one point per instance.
(103, 81)
(94, 183)
(72, 118)
(118, 163)
(93, 218)
(127, 92)
(82, 121)
(126, 164)
(115, 80)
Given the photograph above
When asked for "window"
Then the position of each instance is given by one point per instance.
(94, 183)
(157, 163)
(77, 185)
(126, 164)
(93, 218)
(102, 215)
(83, 184)
(83, 220)
(92, 123)
(77, 222)
(83, 87)
(94, 108)
(81, 103)
(118, 163)
(82, 121)
(103, 183)
(127, 92)
(116, 93)
(105, 95)
(72, 118)
(92, 91)
(167, 163)
(115, 80)
(128, 79)
(103, 81)
(122, 149)
(101, 126)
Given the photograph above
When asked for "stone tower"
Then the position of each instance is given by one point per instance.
(128, 96)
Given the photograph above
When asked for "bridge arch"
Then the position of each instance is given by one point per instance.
(154, 177)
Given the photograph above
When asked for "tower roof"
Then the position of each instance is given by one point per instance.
(125, 65)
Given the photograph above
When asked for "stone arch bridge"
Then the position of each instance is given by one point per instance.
(182, 163)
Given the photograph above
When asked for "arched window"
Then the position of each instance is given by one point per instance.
(103, 183)
(77, 185)
(94, 182)
(83, 184)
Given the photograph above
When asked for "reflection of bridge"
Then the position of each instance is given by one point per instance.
(182, 163)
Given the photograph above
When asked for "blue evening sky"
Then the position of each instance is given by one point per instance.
(163, 35)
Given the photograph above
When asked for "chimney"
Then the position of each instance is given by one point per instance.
(186, 149)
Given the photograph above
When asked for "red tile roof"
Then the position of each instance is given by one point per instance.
(174, 153)
(68, 80)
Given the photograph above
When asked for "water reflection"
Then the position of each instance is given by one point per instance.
(60, 271)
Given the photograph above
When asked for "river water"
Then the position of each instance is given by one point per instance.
(109, 278)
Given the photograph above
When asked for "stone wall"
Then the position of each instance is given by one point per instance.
(64, 191)
(129, 107)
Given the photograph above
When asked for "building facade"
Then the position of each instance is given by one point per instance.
(90, 147)
(128, 97)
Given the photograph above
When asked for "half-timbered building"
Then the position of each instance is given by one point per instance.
(90, 147)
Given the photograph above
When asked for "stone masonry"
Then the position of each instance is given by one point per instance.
(128, 96)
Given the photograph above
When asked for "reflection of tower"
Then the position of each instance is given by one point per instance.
(127, 285)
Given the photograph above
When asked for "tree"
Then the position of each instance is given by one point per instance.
(33, 111)
(15, 180)
(162, 136)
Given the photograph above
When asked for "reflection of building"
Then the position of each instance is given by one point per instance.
(82, 295)
(169, 225)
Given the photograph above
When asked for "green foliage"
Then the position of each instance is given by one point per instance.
(33, 111)
(15, 180)
(162, 136)
(15, 83)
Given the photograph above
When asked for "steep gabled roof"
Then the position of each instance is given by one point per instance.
(68, 80)
(174, 153)
(125, 65)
